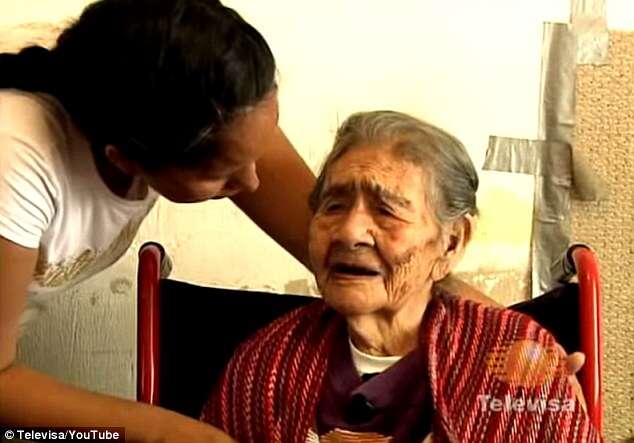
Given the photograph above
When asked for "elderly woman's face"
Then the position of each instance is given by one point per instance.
(373, 240)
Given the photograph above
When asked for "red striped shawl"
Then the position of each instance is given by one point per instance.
(496, 376)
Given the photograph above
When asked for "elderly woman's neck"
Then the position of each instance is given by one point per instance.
(389, 333)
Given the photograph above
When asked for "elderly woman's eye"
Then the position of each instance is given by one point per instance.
(385, 210)
(332, 207)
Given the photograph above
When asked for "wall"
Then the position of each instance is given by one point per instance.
(470, 66)
(605, 133)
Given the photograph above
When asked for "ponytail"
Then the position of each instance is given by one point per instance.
(30, 70)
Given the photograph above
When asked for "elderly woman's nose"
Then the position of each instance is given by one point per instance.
(356, 227)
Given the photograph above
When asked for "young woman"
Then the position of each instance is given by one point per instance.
(137, 98)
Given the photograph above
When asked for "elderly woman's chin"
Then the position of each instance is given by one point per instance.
(354, 296)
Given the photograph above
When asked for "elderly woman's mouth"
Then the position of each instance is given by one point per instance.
(345, 270)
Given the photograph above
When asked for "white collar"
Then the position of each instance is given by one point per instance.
(370, 364)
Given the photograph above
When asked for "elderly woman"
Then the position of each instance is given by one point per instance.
(385, 356)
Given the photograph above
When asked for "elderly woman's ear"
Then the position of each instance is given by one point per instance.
(455, 239)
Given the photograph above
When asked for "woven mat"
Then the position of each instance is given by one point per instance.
(605, 134)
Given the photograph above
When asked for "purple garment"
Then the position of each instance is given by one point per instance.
(393, 403)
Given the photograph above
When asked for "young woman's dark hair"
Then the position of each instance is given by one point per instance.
(156, 78)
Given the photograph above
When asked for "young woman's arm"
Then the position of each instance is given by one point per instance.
(28, 398)
(280, 205)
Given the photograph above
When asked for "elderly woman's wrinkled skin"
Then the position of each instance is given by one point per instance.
(376, 247)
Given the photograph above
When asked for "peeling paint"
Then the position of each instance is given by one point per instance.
(121, 286)
(302, 286)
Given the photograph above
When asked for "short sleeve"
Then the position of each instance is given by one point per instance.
(26, 191)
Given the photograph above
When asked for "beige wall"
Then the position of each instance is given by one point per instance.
(605, 133)
(470, 66)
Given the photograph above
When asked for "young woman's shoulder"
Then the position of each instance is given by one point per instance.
(35, 119)
(32, 135)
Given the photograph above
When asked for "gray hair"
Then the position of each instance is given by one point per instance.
(453, 178)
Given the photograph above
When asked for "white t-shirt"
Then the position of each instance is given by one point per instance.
(53, 198)
(370, 364)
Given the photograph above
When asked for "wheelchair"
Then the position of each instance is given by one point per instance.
(187, 333)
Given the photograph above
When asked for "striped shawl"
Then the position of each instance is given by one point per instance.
(495, 376)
